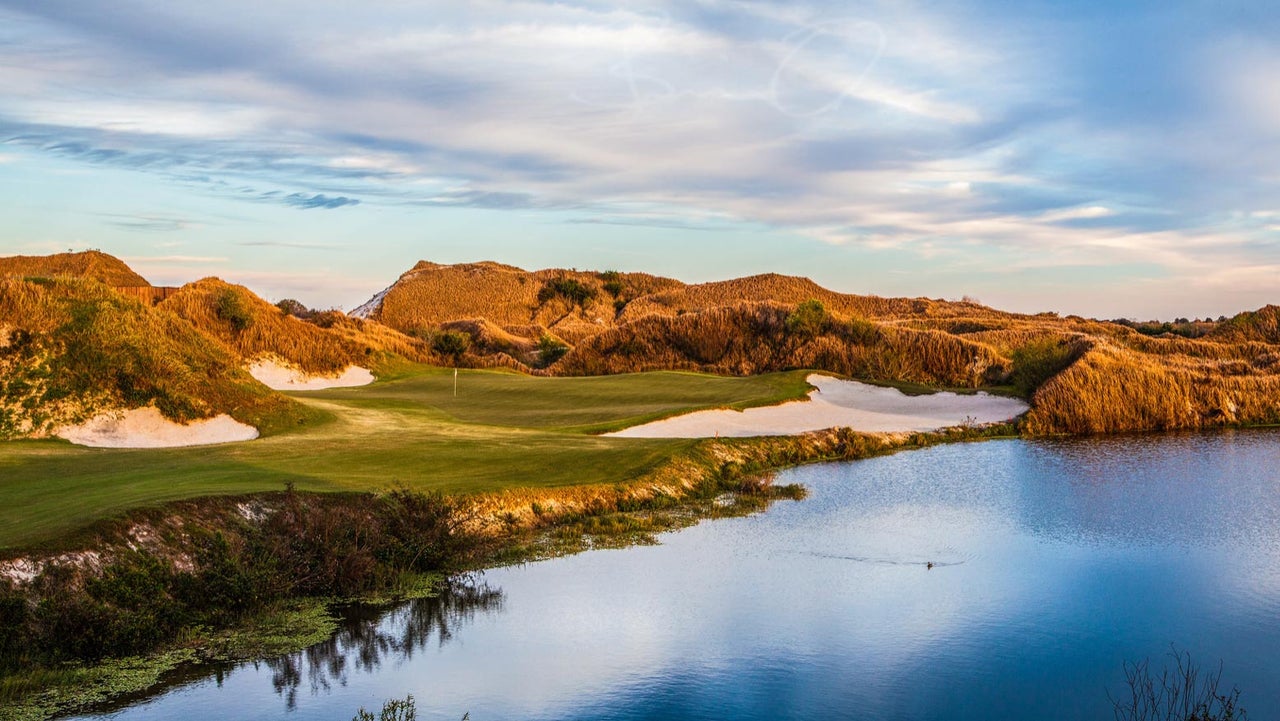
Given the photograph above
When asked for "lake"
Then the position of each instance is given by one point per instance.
(1054, 562)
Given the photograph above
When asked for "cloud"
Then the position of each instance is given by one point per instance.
(319, 200)
(286, 244)
(148, 223)
(145, 259)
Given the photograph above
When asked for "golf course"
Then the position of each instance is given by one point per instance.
(501, 430)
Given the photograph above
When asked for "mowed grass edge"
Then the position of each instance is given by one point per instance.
(502, 430)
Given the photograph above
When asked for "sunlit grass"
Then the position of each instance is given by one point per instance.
(503, 430)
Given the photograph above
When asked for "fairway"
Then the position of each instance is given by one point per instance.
(502, 430)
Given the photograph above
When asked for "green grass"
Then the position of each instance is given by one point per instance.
(503, 430)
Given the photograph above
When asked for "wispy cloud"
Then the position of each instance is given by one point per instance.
(319, 200)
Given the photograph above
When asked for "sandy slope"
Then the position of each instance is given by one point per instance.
(146, 428)
(838, 403)
(280, 377)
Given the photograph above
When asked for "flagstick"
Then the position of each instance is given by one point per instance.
(455, 382)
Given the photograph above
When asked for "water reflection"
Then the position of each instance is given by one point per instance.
(369, 637)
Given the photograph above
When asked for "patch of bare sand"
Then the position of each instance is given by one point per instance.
(283, 377)
(147, 428)
(835, 404)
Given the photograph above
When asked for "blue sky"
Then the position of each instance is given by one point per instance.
(1107, 159)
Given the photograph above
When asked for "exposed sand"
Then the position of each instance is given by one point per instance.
(146, 428)
(280, 377)
(837, 403)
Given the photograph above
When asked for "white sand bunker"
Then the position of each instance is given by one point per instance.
(838, 403)
(280, 377)
(146, 428)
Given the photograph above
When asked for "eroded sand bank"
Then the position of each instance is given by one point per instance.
(838, 403)
(280, 377)
(147, 428)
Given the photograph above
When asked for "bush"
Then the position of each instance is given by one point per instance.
(451, 343)
(1040, 360)
(295, 308)
(550, 350)
(808, 320)
(567, 288)
(393, 710)
(230, 307)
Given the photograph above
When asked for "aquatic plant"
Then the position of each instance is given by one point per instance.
(1181, 692)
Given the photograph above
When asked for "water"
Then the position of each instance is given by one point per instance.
(1054, 563)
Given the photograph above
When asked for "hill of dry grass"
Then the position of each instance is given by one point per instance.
(91, 264)
(73, 347)
(63, 332)
(1082, 376)
(250, 328)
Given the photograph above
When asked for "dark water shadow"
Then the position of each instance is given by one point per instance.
(368, 637)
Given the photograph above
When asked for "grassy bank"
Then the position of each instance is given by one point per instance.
(503, 430)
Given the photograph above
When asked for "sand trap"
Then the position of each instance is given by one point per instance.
(146, 428)
(280, 377)
(838, 403)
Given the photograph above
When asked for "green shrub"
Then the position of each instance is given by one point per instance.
(230, 307)
(568, 288)
(550, 350)
(451, 343)
(809, 319)
(393, 710)
(1040, 360)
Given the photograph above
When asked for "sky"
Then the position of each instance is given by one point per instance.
(1110, 159)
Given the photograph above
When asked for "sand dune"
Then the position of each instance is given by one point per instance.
(837, 403)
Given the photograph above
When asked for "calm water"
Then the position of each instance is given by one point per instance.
(1054, 563)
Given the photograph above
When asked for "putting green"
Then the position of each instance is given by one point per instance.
(502, 430)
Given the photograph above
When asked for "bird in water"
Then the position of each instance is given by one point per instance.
(929, 566)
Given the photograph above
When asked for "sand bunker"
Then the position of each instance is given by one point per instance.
(838, 403)
(280, 377)
(146, 428)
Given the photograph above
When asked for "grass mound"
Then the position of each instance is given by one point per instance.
(72, 348)
(250, 327)
(90, 264)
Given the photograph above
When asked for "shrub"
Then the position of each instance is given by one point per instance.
(295, 308)
(1038, 361)
(451, 343)
(393, 710)
(808, 320)
(550, 350)
(230, 307)
(568, 288)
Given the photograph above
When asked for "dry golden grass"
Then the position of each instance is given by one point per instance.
(750, 338)
(431, 294)
(89, 264)
(1112, 379)
(1112, 389)
(252, 328)
(1262, 325)
(75, 348)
